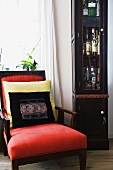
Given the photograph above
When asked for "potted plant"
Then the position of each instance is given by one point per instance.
(30, 64)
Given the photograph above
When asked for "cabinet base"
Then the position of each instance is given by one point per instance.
(98, 144)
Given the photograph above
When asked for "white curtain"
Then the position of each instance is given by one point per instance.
(23, 24)
(48, 48)
(19, 31)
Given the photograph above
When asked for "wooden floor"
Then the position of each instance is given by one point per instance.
(96, 160)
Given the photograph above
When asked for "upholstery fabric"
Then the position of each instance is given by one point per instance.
(22, 78)
(34, 86)
(44, 139)
(30, 108)
(19, 78)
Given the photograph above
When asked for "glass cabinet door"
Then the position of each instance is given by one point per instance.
(91, 38)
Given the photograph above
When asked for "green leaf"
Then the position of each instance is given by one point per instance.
(23, 60)
(30, 57)
(32, 67)
(19, 66)
(35, 63)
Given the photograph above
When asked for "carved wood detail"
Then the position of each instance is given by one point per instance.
(94, 96)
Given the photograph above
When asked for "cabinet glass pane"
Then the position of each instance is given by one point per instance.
(91, 45)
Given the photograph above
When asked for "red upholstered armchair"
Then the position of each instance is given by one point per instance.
(32, 131)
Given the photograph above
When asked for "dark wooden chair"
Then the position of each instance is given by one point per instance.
(42, 141)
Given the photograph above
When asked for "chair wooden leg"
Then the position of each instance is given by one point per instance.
(5, 151)
(4, 146)
(82, 159)
(14, 165)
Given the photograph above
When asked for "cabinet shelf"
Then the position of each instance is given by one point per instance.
(89, 21)
(91, 56)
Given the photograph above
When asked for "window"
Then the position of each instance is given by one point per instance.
(19, 31)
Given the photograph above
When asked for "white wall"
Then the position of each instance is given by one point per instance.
(63, 33)
(110, 68)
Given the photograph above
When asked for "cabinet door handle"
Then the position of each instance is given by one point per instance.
(104, 117)
(102, 112)
(102, 31)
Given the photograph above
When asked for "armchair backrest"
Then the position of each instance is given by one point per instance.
(19, 78)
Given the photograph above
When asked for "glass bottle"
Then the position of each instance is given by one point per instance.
(92, 33)
(98, 79)
(98, 46)
(88, 44)
(87, 73)
(88, 84)
(93, 77)
(84, 41)
(85, 7)
(94, 43)
(97, 8)
(96, 36)
(91, 8)
(94, 47)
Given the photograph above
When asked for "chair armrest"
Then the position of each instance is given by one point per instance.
(6, 125)
(3, 114)
(61, 112)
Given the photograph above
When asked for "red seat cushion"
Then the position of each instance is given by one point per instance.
(44, 139)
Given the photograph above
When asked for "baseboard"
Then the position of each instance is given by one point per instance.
(110, 135)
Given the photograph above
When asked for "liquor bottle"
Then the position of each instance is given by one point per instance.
(94, 43)
(93, 77)
(92, 33)
(94, 62)
(87, 73)
(97, 8)
(98, 79)
(88, 84)
(98, 46)
(88, 44)
(84, 49)
(92, 7)
(94, 47)
(96, 36)
(84, 41)
(85, 7)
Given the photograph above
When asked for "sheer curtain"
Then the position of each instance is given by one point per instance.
(22, 24)
(19, 30)
(48, 60)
